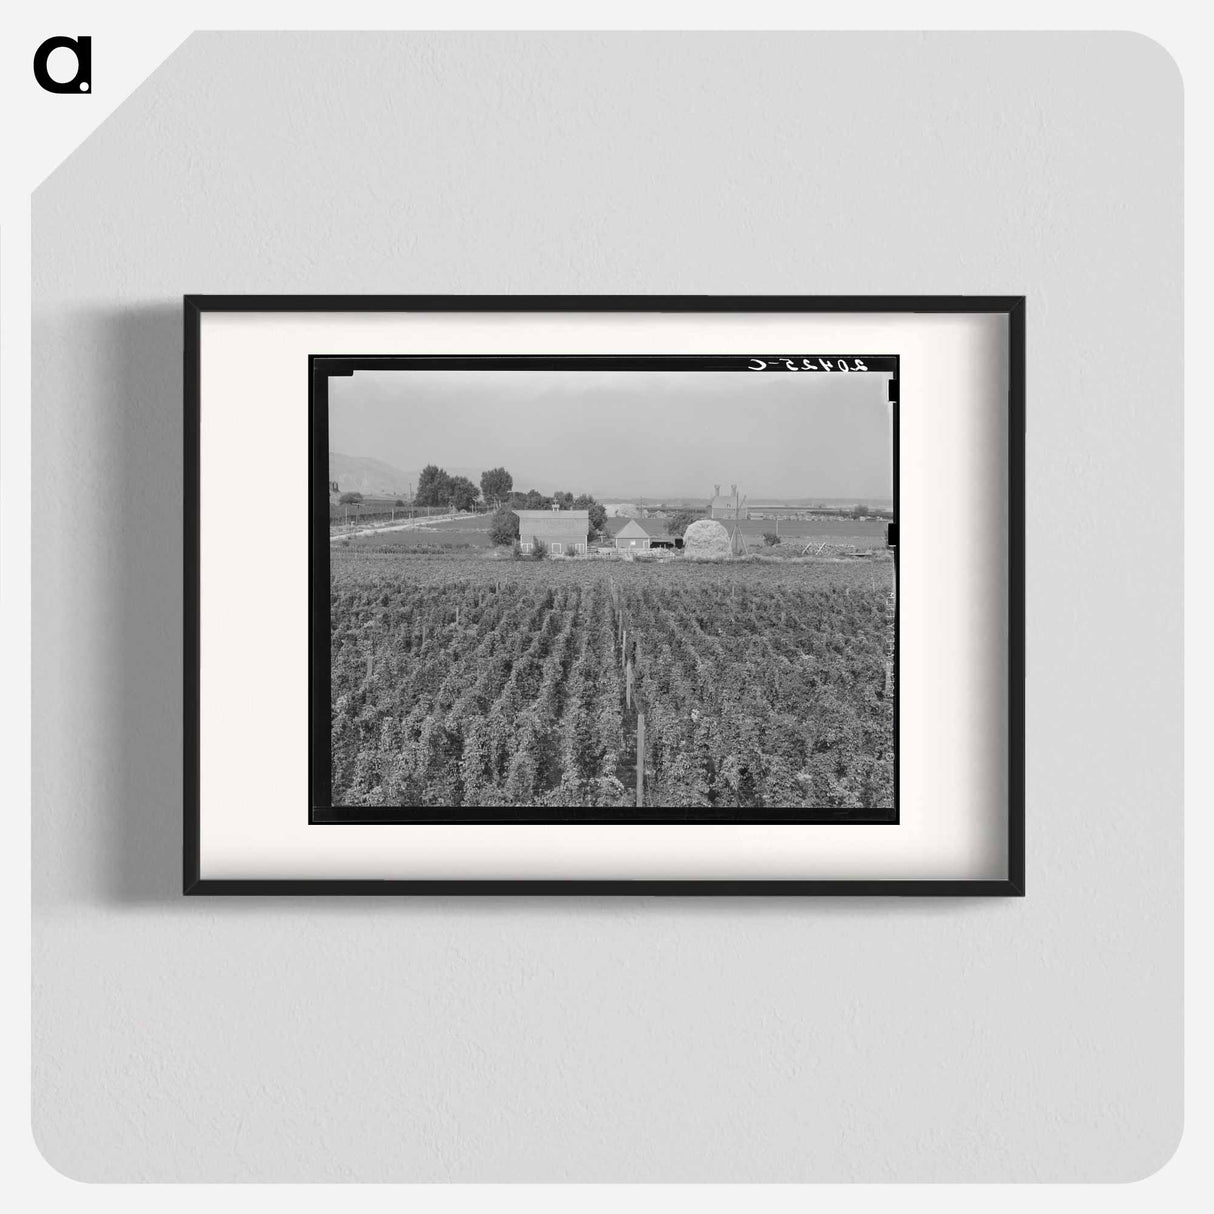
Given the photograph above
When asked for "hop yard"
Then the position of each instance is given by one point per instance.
(466, 681)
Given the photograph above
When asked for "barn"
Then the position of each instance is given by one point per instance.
(564, 532)
(637, 534)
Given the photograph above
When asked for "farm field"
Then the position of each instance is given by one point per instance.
(469, 532)
(473, 532)
(813, 528)
(460, 680)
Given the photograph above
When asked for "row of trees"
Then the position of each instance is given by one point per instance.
(437, 487)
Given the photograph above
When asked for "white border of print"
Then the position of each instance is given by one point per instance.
(953, 602)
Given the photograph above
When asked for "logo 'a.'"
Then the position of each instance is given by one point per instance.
(82, 81)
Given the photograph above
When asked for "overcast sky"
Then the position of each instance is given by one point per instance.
(627, 433)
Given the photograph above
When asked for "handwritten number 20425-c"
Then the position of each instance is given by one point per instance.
(806, 364)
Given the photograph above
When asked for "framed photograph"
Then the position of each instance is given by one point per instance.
(684, 595)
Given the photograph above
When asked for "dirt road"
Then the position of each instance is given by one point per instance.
(408, 525)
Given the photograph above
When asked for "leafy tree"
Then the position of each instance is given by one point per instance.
(462, 493)
(859, 510)
(680, 520)
(350, 499)
(535, 500)
(398, 502)
(770, 538)
(496, 484)
(598, 514)
(503, 527)
(433, 487)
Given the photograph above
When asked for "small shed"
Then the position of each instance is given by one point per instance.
(564, 532)
(639, 534)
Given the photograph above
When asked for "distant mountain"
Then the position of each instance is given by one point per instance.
(361, 474)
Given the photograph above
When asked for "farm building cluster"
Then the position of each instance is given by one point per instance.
(565, 532)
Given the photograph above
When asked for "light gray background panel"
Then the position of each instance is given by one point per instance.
(627, 1039)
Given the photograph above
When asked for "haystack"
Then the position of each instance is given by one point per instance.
(706, 540)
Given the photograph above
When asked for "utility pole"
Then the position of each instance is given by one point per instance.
(640, 759)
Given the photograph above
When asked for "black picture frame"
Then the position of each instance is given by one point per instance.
(1011, 306)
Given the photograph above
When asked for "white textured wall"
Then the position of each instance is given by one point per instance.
(625, 1039)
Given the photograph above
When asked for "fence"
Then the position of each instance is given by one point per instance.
(354, 513)
(628, 642)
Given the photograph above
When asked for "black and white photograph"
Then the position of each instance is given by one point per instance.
(605, 589)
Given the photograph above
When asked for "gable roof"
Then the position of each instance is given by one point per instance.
(651, 528)
(631, 527)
